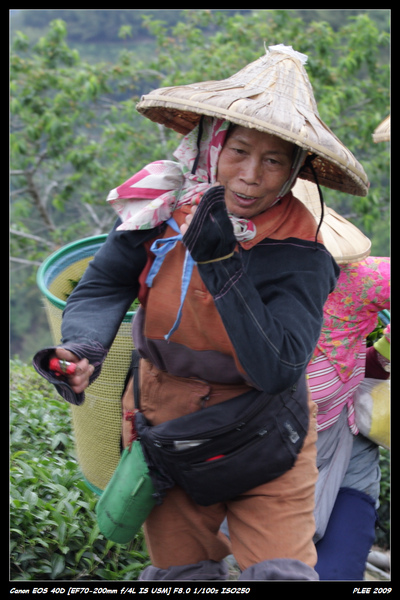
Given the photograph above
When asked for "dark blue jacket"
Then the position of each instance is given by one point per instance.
(270, 299)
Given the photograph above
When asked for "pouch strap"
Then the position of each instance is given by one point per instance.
(160, 248)
(135, 374)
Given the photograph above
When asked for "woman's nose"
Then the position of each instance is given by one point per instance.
(251, 174)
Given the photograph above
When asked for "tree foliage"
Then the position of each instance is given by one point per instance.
(53, 526)
(75, 132)
(53, 530)
(348, 68)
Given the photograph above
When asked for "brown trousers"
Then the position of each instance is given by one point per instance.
(274, 520)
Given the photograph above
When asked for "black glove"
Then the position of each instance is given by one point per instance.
(210, 234)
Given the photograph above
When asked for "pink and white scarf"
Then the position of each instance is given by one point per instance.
(150, 196)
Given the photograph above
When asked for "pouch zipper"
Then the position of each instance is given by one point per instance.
(162, 440)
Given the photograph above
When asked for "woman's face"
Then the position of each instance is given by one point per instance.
(253, 166)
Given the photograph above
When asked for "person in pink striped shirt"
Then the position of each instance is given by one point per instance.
(347, 491)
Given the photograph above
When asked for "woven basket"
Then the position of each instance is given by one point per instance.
(97, 422)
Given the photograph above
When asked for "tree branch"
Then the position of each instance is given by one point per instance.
(39, 203)
(102, 225)
(25, 261)
(35, 238)
(18, 192)
(163, 138)
(92, 213)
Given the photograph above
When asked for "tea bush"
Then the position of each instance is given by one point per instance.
(384, 512)
(53, 529)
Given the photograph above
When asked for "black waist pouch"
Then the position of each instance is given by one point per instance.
(222, 451)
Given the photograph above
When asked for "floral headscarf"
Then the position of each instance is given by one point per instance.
(149, 197)
(168, 184)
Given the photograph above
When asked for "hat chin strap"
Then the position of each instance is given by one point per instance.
(199, 135)
(308, 163)
(301, 159)
(298, 161)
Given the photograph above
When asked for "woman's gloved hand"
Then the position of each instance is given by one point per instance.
(208, 231)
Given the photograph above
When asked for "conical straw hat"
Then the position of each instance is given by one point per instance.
(272, 94)
(382, 132)
(344, 240)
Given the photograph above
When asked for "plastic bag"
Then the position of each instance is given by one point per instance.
(372, 410)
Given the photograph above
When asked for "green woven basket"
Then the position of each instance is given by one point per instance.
(97, 422)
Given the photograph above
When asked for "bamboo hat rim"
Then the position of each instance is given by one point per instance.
(343, 240)
(382, 132)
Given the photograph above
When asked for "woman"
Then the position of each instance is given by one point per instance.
(347, 490)
(232, 291)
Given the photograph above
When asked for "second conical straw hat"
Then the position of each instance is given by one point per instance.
(382, 132)
(344, 240)
(272, 94)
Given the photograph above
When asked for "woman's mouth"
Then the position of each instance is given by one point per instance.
(245, 200)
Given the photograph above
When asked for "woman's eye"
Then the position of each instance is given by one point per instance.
(272, 162)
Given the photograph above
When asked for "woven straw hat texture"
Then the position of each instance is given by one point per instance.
(272, 94)
(382, 132)
(344, 240)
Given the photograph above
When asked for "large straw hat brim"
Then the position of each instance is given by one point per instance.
(272, 94)
(382, 132)
(345, 241)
